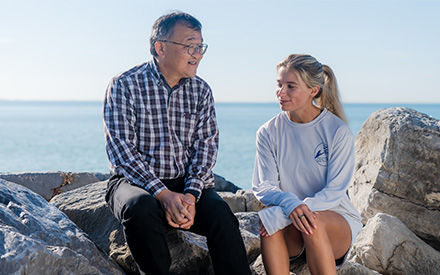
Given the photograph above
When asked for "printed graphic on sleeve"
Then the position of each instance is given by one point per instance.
(321, 154)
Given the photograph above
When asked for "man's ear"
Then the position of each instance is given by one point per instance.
(160, 48)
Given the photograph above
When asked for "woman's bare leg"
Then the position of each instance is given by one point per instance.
(330, 241)
(277, 249)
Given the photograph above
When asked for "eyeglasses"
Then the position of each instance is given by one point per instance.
(192, 48)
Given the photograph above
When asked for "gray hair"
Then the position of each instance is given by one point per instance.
(163, 27)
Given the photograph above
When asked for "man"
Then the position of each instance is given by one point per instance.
(162, 141)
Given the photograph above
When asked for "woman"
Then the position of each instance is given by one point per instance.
(303, 166)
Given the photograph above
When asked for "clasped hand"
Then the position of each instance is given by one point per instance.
(180, 209)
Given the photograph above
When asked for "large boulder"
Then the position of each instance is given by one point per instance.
(389, 247)
(35, 238)
(397, 170)
(49, 184)
(87, 208)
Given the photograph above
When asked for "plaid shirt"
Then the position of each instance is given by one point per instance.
(154, 132)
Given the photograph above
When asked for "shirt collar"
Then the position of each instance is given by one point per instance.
(158, 76)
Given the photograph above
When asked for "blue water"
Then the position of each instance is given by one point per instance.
(68, 136)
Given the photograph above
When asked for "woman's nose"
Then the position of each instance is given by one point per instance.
(280, 90)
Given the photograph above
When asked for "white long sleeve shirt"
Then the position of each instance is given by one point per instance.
(297, 163)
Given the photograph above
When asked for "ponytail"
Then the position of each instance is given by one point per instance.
(329, 95)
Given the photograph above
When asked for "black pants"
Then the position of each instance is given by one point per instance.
(143, 218)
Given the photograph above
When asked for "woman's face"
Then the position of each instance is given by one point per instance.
(292, 93)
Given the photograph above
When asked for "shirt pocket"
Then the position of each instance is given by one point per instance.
(150, 130)
(185, 125)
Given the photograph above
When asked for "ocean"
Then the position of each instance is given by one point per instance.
(69, 137)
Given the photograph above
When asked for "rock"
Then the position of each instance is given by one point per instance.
(35, 238)
(249, 221)
(389, 247)
(252, 204)
(353, 268)
(251, 244)
(223, 185)
(87, 208)
(397, 170)
(236, 202)
(242, 201)
(349, 268)
(49, 184)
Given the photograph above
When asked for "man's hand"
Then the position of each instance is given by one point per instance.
(191, 208)
(177, 208)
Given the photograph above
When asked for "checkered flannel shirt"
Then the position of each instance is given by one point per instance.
(154, 132)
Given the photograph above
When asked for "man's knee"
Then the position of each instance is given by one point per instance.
(220, 213)
(142, 207)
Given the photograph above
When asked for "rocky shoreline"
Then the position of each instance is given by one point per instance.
(58, 222)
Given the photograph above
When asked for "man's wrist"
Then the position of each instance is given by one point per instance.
(195, 193)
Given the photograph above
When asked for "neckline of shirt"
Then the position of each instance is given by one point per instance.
(307, 124)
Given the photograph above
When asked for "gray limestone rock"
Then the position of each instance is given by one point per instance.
(35, 238)
(49, 184)
(397, 170)
(87, 208)
(236, 202)
(249, 221)
(389, 247)
(242, 201)
(349, 268)
(252, 204)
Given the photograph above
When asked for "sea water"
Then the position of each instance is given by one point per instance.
(69, 136)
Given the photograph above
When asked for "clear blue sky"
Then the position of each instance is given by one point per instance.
(381, 51)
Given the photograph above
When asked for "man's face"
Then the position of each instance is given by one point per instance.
(178, 63)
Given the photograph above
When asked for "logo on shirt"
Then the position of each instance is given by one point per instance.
(321, 154)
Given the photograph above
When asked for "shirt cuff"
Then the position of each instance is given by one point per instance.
(156, 187)
(194, 187)
(193, 192)
(289, 203)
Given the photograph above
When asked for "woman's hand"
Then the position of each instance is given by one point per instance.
(303, 219)
(263, 232)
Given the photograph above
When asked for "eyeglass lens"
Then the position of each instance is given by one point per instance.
(193, 48)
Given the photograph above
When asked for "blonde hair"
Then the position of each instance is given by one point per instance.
(315, 74)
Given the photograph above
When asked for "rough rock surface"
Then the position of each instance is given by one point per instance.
(87, 208)
(249, 221)
(49, 184)
(389, 247)
(349, 268)
(397, 170)
(242, 201)
(36, 237)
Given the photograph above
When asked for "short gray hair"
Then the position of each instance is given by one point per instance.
(163, 27)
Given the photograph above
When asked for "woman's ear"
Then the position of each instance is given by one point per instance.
(315, 91)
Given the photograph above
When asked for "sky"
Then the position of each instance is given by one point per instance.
(381, 51)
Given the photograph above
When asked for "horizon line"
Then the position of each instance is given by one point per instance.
(231, 102)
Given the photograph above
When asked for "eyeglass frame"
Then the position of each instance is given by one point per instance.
(198, 47)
